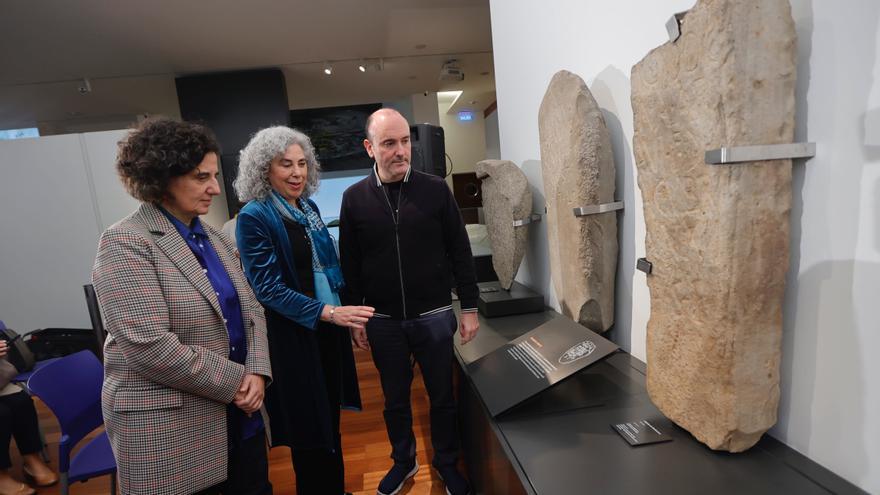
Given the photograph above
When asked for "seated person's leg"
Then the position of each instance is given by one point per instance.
(26, 430)
(8, 484)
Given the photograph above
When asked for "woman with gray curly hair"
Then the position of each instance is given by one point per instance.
(291, 262)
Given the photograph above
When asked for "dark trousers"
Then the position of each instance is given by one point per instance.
(18, 418)
(321, 471)
(429, 340)
(248, 471)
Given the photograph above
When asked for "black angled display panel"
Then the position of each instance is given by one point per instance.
(535, 361)
(234, 105)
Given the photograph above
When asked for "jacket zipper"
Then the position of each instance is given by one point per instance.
(395, 216)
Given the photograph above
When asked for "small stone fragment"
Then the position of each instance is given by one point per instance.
(506, 199)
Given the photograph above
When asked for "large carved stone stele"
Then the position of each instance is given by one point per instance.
(717, 235)
(506, 198)
(578, 170)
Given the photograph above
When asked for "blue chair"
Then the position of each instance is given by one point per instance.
(23, 378)
(71, 387)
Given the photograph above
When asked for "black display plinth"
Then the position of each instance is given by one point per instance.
(560, 442)
(495, 301)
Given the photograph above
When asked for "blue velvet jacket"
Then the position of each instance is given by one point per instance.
(259, 230)
(298, 403)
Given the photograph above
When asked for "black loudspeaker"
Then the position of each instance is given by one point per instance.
(428, 149)
(468, 192)
(234, 105)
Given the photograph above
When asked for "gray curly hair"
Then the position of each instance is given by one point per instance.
(266, 145)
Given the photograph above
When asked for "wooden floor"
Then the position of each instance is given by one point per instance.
(365, 445)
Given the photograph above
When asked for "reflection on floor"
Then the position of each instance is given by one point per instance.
(365, 445)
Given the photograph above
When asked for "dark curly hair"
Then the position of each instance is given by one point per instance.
(156, 151)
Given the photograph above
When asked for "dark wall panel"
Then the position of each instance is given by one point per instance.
(234, 105)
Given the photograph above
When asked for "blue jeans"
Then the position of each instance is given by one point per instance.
(429, 340)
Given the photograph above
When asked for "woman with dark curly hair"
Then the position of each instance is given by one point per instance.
(291, 262)
(186, 359)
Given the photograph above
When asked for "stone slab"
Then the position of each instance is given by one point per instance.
(717, 235)
(578, 170)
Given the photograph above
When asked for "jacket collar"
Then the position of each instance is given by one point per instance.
(379, 181)
(276, 223)
(178, 251)
(153, 218)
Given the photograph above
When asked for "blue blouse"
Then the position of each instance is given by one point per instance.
(197, 240)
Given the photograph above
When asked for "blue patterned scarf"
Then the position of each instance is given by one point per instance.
(325, 263)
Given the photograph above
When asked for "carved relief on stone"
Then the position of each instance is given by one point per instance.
(578, 170)
(717, 235)
(506, 199)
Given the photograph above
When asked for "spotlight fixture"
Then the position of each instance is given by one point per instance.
(371, 65)
(328, 69)
(85, 86)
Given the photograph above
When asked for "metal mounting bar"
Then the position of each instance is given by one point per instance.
(739, 154)
(673, 26)
(534, 217)
(583, 211)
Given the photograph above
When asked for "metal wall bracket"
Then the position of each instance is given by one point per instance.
(673, 26)
(583, 211)
(643, 265)
(534, 217)
(739, 154)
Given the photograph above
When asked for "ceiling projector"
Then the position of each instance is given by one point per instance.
(451, 71)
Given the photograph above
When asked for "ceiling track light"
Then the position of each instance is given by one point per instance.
(328, 69)
(85, 86)
(371, 65)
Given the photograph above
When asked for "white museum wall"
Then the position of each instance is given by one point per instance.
(420, 108)
(493, 145)
(403, 105)
(465, 141)
(50, 233)
(111, 200)
(57, 194)
(830, 388)
(424, 109)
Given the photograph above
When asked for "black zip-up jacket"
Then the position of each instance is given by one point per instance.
(404, 268)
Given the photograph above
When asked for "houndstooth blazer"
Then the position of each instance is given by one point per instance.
(167, 376)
